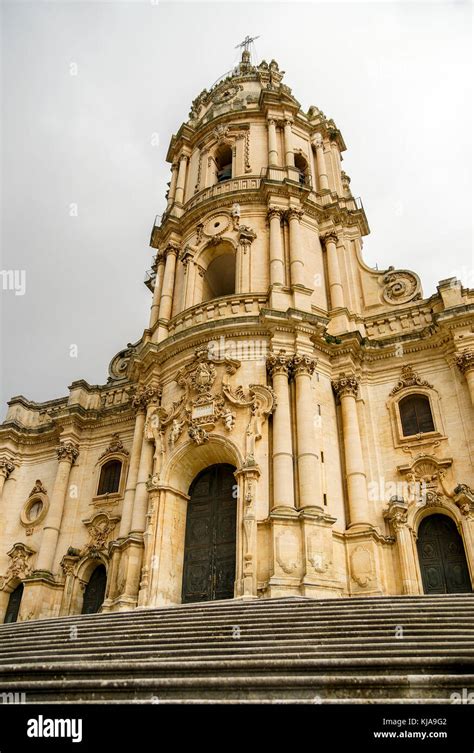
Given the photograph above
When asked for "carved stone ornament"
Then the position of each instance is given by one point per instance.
(279, 363)
(100, 526)
(38, 488)
(209, 400)
(464, 499)
(6, 467)
(465, 361)
(67, 451)
(144, 396)
(400, 286)
(345, 384)
(119, 364)
(362, 566)
(397, 513)
(20, 565)
(302, 364)
(115, 447)
(286, 546)
(409, 378)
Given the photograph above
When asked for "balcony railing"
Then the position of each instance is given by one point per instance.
(243, 183)
(286, 174)
(227, 307)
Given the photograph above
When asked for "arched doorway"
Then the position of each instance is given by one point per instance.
(210, 541)
(95, 591)
(11, 615)
(442, 558)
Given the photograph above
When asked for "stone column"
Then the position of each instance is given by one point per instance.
(166, 300)
(6, 468)
(296, 251)
(145, 469)
(160, 271)
(321, 165)
(127, 509)
(289, 153)
(345, 386)
(67, 454)
(334, 273)
(278, 365)
(181, 181)
(272, 143)
(277, 262)
(174, 178)
(309, 482)
(465, 364)
(243, 265)
(398, 517)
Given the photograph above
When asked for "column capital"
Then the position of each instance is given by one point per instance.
(184, 157)
(278, 363)
(294, 213)
(6, 467)
(271, 120)
(144, 396)
(288, 121)
(172, 248)
(345, 384)
(302, 364)
(275, 212)
(67, 451)
(465, 361)
(397, 513)
(330, 237)
(174, 165)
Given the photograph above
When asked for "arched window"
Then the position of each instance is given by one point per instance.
(302, 167)
(219, 279)
(11, 615)
(109, 480)
(415, 415)
(224, 163)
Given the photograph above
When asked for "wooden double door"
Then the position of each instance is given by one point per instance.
(210, 540)
(442, 558)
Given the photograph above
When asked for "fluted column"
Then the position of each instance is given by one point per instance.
(296, 251)
(6, 468)
(345, 386)
(309, 482)
(278, 365)
(127, 509)
(323, 182)
(277, 262)
(160, 271)
(272, 143)
(289, 153)
(181, 180)
(145, 469)
(334, 272)
(465, 364)
(174, 178)
(67, 454)
(166, 300)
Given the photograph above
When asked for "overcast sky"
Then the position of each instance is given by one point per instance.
(394, 76)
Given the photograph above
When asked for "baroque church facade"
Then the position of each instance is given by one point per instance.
(291, 422)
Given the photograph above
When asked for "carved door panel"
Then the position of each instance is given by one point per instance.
(442, 558)
(11, 615)
(210, 542)
(95, 591)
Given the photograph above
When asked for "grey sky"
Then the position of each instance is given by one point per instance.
(395, 78)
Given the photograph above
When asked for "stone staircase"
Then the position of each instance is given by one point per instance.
(358, 650)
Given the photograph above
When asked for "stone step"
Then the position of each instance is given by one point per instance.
(291, 648)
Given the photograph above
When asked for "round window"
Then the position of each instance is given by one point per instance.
(34, 510)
